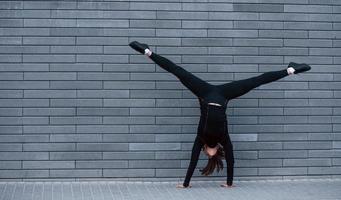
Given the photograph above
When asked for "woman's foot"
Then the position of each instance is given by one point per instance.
(298, 68)
(140, 47)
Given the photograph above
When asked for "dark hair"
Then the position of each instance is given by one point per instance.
(214, 162)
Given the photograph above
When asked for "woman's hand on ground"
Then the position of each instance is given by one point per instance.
(227, 186)
(182, 186)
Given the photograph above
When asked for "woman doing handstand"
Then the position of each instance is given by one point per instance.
(212, 134)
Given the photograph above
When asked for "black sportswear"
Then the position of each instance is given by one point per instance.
(212, 128)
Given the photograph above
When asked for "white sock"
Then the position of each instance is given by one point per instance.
(290, 70)
(147, 52)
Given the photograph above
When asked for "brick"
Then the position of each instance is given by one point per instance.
(93, 147)
(128, 155)
(102, 164)
(129, 138)
(128, 120)
(232, 33)
(49, 129)
(308, 128)
(23, 120)
(49, 147)
(257, 59)
(102, 23)
(75, 85)
(76, 49)
(75, 66)
(101, 41)
(10, 111)
(323, 170)
(152, 23)
(283, 51)
(11, 5)
(283, 154)
(25, 102)
(102, 58)
(27, 31)
(206, 42)
(49, 40)
(257, 145)
(308, 8)
(102, 129)
(24, 174)
(49, 5)
(306, 162)
(49, 22)
(206, 24)
(75, 102)
(232, 16)
(10, 147)
(23, 67)
(24, 155)
(307, 145)
(324, 153)
(10, 165)
(282, 137)
(308, 94)
(49, 94)
(283, 171)
(233, 50)
(129, 173)
(282, 119)
(103, 5)
(103, 111)
(207, 7)
(10, 40)
(127, 14)
(24, 138)
(75, 137)
(155, 6)
(75, 155)
(155, 111)
(257, 128)
(181, 15)
(155, 94)
(257, 7)
(24, 49)
(10, 58)
(307, 43)
(257, 25)
(283, 34)
(25, 13)
(154, 164)
(11, 23)
(76, 173)
(48, 58)
(153, 146)
(48, 164)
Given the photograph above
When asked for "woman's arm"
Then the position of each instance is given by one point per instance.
(228, 150)
(194, 160)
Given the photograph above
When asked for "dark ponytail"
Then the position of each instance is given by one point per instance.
(214, 162)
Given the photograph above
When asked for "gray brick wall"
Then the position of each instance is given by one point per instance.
(77, 102)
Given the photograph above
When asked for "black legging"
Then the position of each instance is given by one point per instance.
(223, 93)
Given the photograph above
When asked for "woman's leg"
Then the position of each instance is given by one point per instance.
(237, 88)
(193, 83)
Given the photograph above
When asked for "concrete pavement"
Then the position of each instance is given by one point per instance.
(322, 189)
